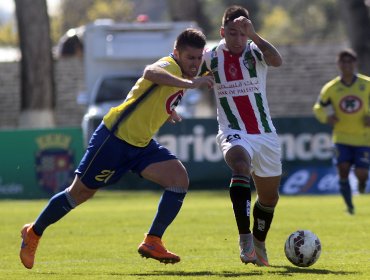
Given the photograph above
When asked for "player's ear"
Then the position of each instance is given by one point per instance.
(176, 54)
(222, 32)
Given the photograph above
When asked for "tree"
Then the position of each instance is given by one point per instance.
(77, 13)
(37, 86)
(192, 10)
(357, 21)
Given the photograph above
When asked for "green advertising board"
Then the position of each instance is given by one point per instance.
(38, 163)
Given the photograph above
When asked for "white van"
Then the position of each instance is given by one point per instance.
(115, 55)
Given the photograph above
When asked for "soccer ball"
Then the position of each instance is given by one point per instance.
(302, 248)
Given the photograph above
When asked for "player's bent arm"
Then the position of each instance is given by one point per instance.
(270, 53)
(323, 108)
(160, 76)
(320, 113)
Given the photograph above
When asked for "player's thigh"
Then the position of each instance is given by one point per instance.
(167, 173)
(267, 189)
(236, 150)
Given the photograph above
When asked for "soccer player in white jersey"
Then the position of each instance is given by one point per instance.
(246, 136)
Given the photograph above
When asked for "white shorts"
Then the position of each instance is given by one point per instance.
(264, 150)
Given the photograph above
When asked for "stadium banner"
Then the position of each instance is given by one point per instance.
(306, 156)
(37, 163)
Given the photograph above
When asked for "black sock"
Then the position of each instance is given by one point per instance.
(262, 220)
(240, 195)
(345, 190)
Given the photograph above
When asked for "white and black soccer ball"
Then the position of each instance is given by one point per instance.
(302, 248)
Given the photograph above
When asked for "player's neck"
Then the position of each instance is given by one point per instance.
(348, 79)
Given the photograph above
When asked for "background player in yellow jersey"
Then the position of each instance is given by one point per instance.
(124, 142)
(344, 103)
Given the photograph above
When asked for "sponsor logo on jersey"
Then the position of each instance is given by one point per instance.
(163, 64)
(173, 101)
(350, 104)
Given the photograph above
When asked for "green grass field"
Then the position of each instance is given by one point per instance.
(99, 239)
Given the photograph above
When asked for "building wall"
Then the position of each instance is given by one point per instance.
(291, 89)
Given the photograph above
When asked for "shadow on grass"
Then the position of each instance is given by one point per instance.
(199, 273)
(280, 270)
(291, 270)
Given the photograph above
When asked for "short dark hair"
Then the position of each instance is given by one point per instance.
(234, 12)
(347, 53)
(190, 37)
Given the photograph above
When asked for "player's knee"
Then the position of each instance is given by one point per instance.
(362, 176)
(270, 200)
(80, 193)
(241, 167)
(182, 182)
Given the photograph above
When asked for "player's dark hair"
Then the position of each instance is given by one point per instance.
(234, 12)
(347, 53)
(190, 37)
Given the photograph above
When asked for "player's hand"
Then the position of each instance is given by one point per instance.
(207, 81)
(332, 120)
(174, 118)
(245, 25)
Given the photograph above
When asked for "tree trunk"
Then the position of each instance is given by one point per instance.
(37, 76)
(357, 21)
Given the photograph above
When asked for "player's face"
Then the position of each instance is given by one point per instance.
(189, 60)
(235, 37)
(347, 65)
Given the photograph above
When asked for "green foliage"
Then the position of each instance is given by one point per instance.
(118, 10)
(8, 35)
(280, 21)
(301, 21)
(278, 28)
(77, 13)
(99, 239)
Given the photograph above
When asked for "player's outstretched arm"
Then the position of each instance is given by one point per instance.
(160, 76)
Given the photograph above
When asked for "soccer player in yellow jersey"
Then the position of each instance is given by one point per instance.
(124, 141)
(344, 103)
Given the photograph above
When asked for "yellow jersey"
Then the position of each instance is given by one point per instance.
(350, 104)
(139, 118)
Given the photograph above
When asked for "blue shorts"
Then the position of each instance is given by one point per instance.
(357, 156)
(107, 158)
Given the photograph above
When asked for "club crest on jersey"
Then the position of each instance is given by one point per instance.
(173, 101)
(54, 162)
(249, 63)
(233, 71)
(350, 104)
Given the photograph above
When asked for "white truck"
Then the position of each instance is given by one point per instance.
(115, 55)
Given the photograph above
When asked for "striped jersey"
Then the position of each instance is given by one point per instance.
(240, 88)
(350, 104)
(146, 115)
